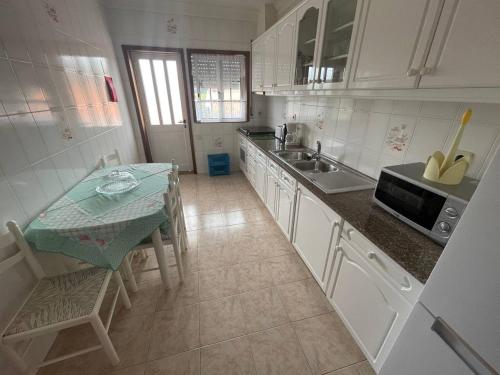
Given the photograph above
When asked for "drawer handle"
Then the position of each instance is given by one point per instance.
(348, 233)
(405, 285)
(286, 179)
(336, 224)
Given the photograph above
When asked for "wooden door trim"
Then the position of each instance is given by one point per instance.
(127, 54)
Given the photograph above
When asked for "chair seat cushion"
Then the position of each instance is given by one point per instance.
(59, 299)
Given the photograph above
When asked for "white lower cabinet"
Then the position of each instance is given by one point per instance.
(316, 230)
(371, 308)
(272, 186)
(285, 203)
(260, 178)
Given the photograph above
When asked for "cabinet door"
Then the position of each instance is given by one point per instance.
(371, 309)
(257, 65)
(270, 201)
(308, 29)
(316, 226)
(260, 180)
(465, 51)
(285, 32)
(284, 209)
(393, 40)
(340, 19)
(269, 59)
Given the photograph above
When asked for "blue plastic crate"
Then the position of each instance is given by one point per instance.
(218, 164)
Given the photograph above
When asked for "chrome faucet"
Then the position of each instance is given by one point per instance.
(317, 154)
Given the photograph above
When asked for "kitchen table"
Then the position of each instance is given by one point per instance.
(102, 230)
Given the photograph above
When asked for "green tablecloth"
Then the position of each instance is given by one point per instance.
(100, 230)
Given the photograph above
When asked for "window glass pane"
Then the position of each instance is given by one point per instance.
(220, 80)
(161, 85)
(149, 91)
(175, 92)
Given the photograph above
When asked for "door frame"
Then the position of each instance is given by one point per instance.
(127, 54)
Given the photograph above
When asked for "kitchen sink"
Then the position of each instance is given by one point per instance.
(328, 175)
(314, 166)
(294, 155)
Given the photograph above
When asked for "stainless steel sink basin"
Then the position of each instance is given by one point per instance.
(328, 175)
(294, 155)
(314, 166)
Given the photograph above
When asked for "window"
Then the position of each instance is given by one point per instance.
(219, 85)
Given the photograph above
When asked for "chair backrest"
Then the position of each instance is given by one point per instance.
(111, 159)
(24, 251)
(172, 204)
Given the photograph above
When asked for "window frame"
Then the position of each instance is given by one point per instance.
(246, 54)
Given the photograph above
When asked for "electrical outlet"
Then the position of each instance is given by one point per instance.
(469, 156)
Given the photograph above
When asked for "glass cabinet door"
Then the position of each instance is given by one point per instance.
(339, 22)
(308, 18)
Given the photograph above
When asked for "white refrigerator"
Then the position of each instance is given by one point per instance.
(455, 327)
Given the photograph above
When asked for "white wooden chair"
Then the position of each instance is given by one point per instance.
(180, 207)
(59, 302)
(111, 159)
(174, 236)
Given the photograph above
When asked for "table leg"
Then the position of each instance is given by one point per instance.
(161, 257)
(123, 291)
(129, 274)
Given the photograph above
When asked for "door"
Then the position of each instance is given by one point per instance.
(393, 41)
(465, 50)
(257, 65)
(161, 94)
(371, 309)
(316, 228)
(285, 32)
(308, 29)
(340, 19)
(269, 59)
(284, 209)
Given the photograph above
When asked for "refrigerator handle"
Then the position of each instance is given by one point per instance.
(472, 359)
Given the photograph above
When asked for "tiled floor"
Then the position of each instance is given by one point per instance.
(248, 304)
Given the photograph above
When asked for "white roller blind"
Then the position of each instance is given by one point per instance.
(219, 87)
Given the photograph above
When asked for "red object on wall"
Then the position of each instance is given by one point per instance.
(111, 89)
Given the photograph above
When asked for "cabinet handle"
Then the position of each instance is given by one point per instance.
(425, 70)
(412, 72)
(348, 233)
(371, 255)
(336, 224)
(405, 284)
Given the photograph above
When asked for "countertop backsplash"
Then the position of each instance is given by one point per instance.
(368, 134)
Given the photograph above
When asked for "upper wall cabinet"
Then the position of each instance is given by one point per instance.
(308, 33)
(465, 51)
(337, 40)
(269, 43)
(393, 40)
(258, 65)
(285, 32)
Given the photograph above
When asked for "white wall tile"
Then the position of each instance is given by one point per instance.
(28, 191)
(10, 208)
(49, 179)
(30, 87)
(12, 155)
(30, 137)
(11, 95)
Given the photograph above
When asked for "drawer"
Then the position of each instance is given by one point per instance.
(287, 180)
(261, 157)
(273, 167)
(397, 276)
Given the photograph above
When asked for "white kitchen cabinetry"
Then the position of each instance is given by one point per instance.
(306, 46)
(465, 51)
(269, 43)
(371, 308)
(260, 175)
(285, 202)
(316, 230)
(285, 32)
(392, 42)
(258, 65)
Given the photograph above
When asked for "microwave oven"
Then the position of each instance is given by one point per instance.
(431, 208)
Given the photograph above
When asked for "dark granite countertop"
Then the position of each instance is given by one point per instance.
(413, 251)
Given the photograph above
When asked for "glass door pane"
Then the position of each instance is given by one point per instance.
(337, 38)
(306, 43)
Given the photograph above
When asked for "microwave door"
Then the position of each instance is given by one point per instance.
(409, 201)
